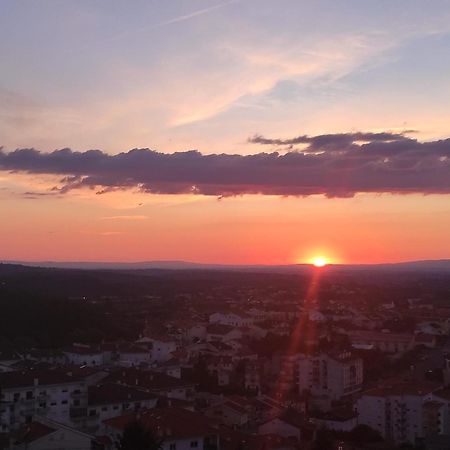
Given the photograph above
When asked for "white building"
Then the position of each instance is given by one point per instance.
(396, 410)
(332, 376)
(222, 333)
(134, 355)
(84, 355)
(233, 319)
(385, 342)
(162, 347)
(50, 393)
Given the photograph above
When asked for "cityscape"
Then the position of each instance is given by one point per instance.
(224, 225)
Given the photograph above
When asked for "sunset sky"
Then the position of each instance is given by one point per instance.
(270, 132)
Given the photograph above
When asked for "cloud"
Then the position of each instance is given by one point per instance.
(132, 217)
(336, 165)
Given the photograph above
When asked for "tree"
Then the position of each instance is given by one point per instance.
(324, 440)
(137, 437)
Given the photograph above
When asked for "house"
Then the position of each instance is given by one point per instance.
(133, 355)
(172, 367)
(232, 318)
(154, 382)
(231, 439)
(44, 434)
(111, 400)
(288, 424)
(178, 428)
(427, 340)
(385, 342)
(162, 347)
(229, 413)
(341, 419)
(222, 333)
(83, 355)
(7, 359)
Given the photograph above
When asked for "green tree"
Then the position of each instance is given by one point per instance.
(137, 437)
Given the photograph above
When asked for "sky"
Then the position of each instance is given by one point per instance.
(239, 131)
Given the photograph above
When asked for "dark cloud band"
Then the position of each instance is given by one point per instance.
(334, 164)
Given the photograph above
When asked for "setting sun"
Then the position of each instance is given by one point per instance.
(319, 261)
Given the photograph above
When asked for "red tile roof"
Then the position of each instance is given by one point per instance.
(400, 388)
(153, 381)
(34, 431)
(27, 378)
(168, 423)
(116, 393)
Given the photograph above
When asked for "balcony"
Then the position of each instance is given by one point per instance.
(76, 413)
(76, 395)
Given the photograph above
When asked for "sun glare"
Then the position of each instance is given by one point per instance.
(319, 261)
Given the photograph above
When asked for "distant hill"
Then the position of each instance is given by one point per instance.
(425, 265)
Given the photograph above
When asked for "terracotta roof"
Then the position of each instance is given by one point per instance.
(217, 328)
(34, 431)
(169, 423)
(82, 350)
(443, 393)
(153, 381)
(401, 388)
(132, 349)
(115, 393)
(426, 338)
(27, 378)
(364, 335)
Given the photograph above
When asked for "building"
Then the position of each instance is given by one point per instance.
(25, 395)
(288, 424)
(232, 318)
(111, 400)
(154, 382)
(222, 333)
(385, 342)
(84, 355)
(162, 347)
(178, 428)
(330, 375)
(397, 410)
(44, 434)
(133, 355)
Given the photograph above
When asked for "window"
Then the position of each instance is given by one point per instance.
(173, 447)
(194, 444)
(64, 402)
(92, 412)
(16, 396)
(104, 408)
(29, 395)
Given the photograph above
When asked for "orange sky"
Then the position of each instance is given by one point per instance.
(247, 229)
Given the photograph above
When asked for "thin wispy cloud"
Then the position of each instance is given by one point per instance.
(126, 218)
(172, 21)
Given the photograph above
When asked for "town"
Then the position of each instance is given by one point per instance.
(315, 360)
